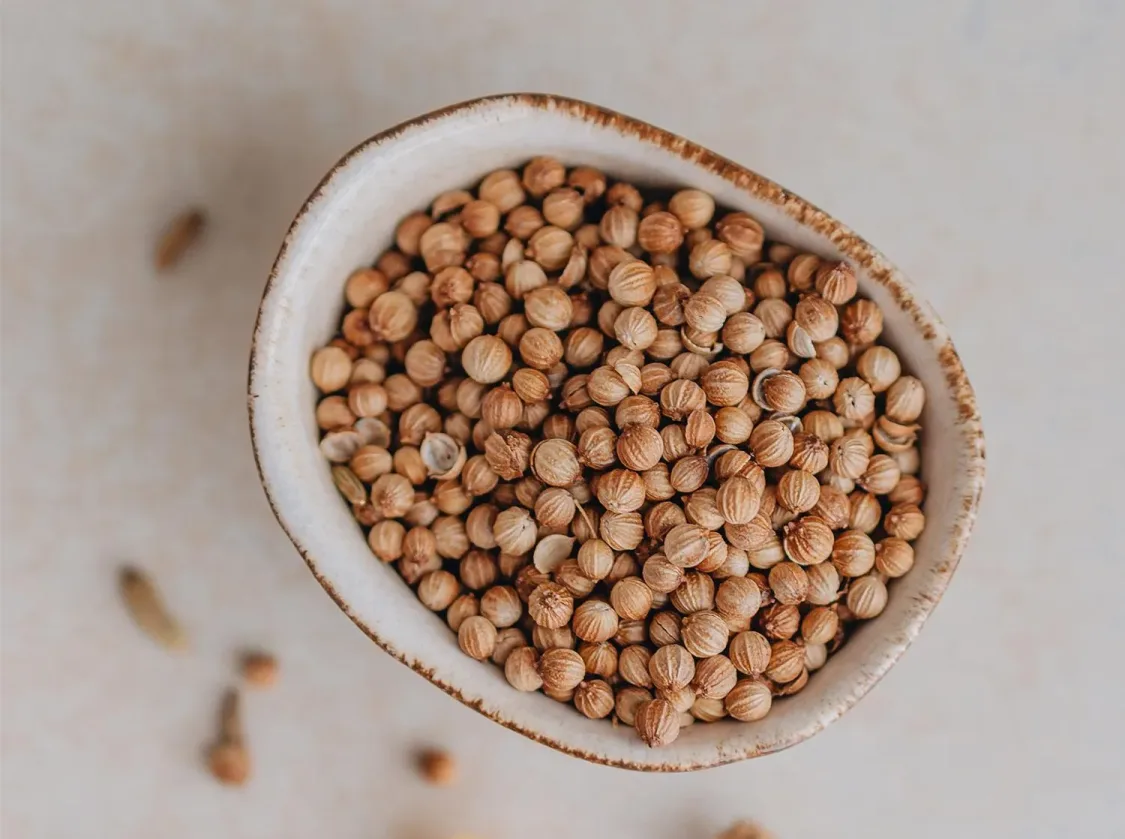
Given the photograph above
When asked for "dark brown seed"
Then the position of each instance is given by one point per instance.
(181, 234)
(148, 610)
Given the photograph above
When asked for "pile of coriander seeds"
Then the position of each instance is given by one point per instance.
(633, 453)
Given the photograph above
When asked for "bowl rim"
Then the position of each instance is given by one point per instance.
(972, 450)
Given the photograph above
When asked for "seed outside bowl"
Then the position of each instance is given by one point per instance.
(351, 217)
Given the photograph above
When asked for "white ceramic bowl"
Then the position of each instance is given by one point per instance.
(349, 220)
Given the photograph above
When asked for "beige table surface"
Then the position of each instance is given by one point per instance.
(980, 144)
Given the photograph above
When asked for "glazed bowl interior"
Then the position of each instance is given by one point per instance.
(350, 220)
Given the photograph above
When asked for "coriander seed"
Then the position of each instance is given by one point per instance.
(331, 369)
(437, 767)
(808, 540)
(594, 699)
(787, 659)
(601, 658)
(749, 700)
(657, 722)
(715, 677)
(595, 621)
(789, 582)
(693, 208)
(749, 653)
(695, 594)
(894, 557)
(704, 634)
(867, 597)
(550, 606)
(819, 625)
(905, 399)
(904, 521)
(671, 667)
(738, 597)
(685, 545)
(477, 637)
(781, 621)
(633, 664)
(561, 669)
(437, 590)
(631, 598)
(521, 669)
(501, 605)
(664, 629)
(798, 491)
(463, 607)
(772, 443)
(853, 553)
(824, 584)
(661, 575)
(738, 500)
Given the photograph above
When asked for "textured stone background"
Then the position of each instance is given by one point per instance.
(979, 144)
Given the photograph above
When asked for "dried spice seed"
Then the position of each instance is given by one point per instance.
(259, 669)
(630, 449)
(749, 700)
(437, 767)
(148, 611)
(178, 237)
(657, 722)
(228, 759)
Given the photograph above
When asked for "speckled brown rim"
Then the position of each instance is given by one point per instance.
(851, 245)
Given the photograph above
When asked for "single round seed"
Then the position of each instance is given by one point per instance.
(594, 699)
(686, 545)
(749, 653)
(789, 582)
(867, 597)
(893, 557)
(798, 491)
(671, 667)
(787, 659)
(501, 605)
(521, 669)
(486, 359)
(595, 621)
(819, 625)
(438, 589)
(748, 700)
(477, 637)
(695, 594)
(715, 677)
(853, 553)
(661, 575)
(331, 369)
(631, 598)
(738, 597)
(561, 669)
(657, 722)
(551, 605)
(633, 664)
(704, 634)
(555, 462)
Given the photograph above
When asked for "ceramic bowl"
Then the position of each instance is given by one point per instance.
(348, 221)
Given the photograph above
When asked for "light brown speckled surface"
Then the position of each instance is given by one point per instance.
(976, 143)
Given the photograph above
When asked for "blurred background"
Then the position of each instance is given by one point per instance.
(978, 143)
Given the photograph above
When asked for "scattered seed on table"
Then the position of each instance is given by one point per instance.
(148, 610)
(178, 237)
